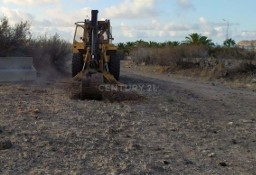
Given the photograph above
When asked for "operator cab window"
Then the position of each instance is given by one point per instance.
(79, 34)
(105, 36)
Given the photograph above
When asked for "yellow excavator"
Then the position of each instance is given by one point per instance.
(95, 60)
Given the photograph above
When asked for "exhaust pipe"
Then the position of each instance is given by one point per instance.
(94, 18)
(94, 35)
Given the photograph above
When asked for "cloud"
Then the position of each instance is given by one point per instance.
(16, 16)
(154, 30)
(185, 4)
(127, 31)
(132, 9)
(65, 32)
(166, 26)
(245, 35)
(211, 29)
(203, 20)
(54, 21)
(63, 21)
(38, 27)
(248, 34)
(67, 18)
(131, 20)
(31, 2)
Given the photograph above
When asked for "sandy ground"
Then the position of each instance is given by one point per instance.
(169, 126)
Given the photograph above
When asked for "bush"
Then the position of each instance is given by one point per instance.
(232, 53)
(168, 55)
(14, 40)
(50, 51)
(46, 51)
(175, 55)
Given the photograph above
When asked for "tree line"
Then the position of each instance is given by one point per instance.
(191, 39)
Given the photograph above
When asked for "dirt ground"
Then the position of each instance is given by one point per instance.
(159, 124)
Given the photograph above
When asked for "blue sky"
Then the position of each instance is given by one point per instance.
(150, 20)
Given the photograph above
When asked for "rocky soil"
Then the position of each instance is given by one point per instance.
(159, 125)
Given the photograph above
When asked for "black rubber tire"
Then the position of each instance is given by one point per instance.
(77, 63)
(114, 65)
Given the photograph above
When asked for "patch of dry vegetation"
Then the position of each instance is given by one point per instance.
(52, 51)
(168, 55)
(229, 63)
(47, 51)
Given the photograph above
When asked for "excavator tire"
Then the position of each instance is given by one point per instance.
(114, 65)
(77, 63)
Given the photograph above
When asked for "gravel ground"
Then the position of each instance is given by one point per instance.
(168, 126)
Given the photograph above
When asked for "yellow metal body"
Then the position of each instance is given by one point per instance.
(93, 52)
(81, 44)
(104, 59)
(81, 41)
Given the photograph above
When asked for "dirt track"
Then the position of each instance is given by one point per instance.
(172, 126)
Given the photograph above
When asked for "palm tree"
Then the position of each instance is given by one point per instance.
(153, 44)
(197, 39)
(229, 42)
(172, 43)
(175, 43)
(130, 45)
(121, 46)
(141, 43)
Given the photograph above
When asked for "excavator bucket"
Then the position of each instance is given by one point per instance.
(91, 86)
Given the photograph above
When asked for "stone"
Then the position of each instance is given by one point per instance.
(234, 141)
(230, 123)
(5, 144)
(166, 162)
(253, 80)
(188, 162)
(211, 155)
(224, 164)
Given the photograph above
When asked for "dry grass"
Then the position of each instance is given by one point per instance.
(176, 127)
(181, 60)
(167, 56)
